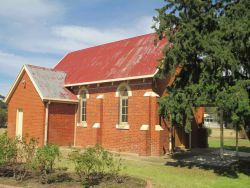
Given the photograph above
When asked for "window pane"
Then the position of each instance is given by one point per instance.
(123, 118)
(123, 102)
(83, 110)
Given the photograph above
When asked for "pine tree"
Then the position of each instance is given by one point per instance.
(209, 41)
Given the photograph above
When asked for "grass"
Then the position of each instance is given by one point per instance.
(178, 177)
(162, 176)
(2, 130)
(229, 143)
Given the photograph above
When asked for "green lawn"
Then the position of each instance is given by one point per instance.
(175, 177)
(164, 176)
(2, 130)
(244, 144)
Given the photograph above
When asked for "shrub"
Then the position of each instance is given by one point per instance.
(25, 157)
(92, 164)
(8, 150)
(45, 159)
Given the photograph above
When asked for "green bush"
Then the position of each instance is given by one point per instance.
(92, 164)
(3, 117)
(8, 150)
(25, 157)
(45, 159)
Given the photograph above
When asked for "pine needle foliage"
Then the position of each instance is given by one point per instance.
(209, 40)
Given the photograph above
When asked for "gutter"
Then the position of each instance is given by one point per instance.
(112, 80)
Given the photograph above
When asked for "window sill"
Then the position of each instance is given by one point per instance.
(122, 126)
(83, 124)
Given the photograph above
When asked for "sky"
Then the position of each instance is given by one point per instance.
(42, 32)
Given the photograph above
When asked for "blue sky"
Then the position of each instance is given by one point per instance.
(41, 32)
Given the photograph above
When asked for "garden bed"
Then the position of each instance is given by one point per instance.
(23, 163)
(67, 179)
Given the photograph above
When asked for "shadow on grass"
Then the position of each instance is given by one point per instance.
(229, 167)
(241, 148)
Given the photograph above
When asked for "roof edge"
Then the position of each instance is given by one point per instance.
(113, 80)
(13, 87)
(60, 100)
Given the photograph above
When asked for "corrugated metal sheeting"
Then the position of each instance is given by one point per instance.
(50, 83)
(131, 57)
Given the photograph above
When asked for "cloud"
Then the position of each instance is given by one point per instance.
(36, 29)
(61, 39)
(28, 11)
(11, 64)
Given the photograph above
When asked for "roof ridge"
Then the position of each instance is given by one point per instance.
(117, 41)
(36, 66)
(44, 68)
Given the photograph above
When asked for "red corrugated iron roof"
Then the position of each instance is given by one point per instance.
(133, 57)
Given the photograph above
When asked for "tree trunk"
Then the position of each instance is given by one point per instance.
(244, 132)
(190, 140)
(221, 136)
(170, 140)
(237, 144)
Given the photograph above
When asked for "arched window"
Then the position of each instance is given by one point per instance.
(83, 106)
(123, 105)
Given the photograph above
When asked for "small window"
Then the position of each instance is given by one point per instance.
(83, 106)
(123, 105)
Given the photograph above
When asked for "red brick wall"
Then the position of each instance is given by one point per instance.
(27, 98)
(61, 123)
(62, 117)
(132, 140)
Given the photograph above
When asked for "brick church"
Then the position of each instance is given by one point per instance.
(104, 95)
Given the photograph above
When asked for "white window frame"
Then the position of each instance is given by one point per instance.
(123, 124)
(83, 100)
(120, 110)
(83, 123)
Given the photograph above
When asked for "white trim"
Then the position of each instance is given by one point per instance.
(112, 80)
(124, 84)
(6, 99)
(158, 128)
(144, 127)
(122, 126)
(83, 89)
(150, 94)
(96, 125)
(61, 100)
(101, 96)
(82, 124)
(24, 68)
